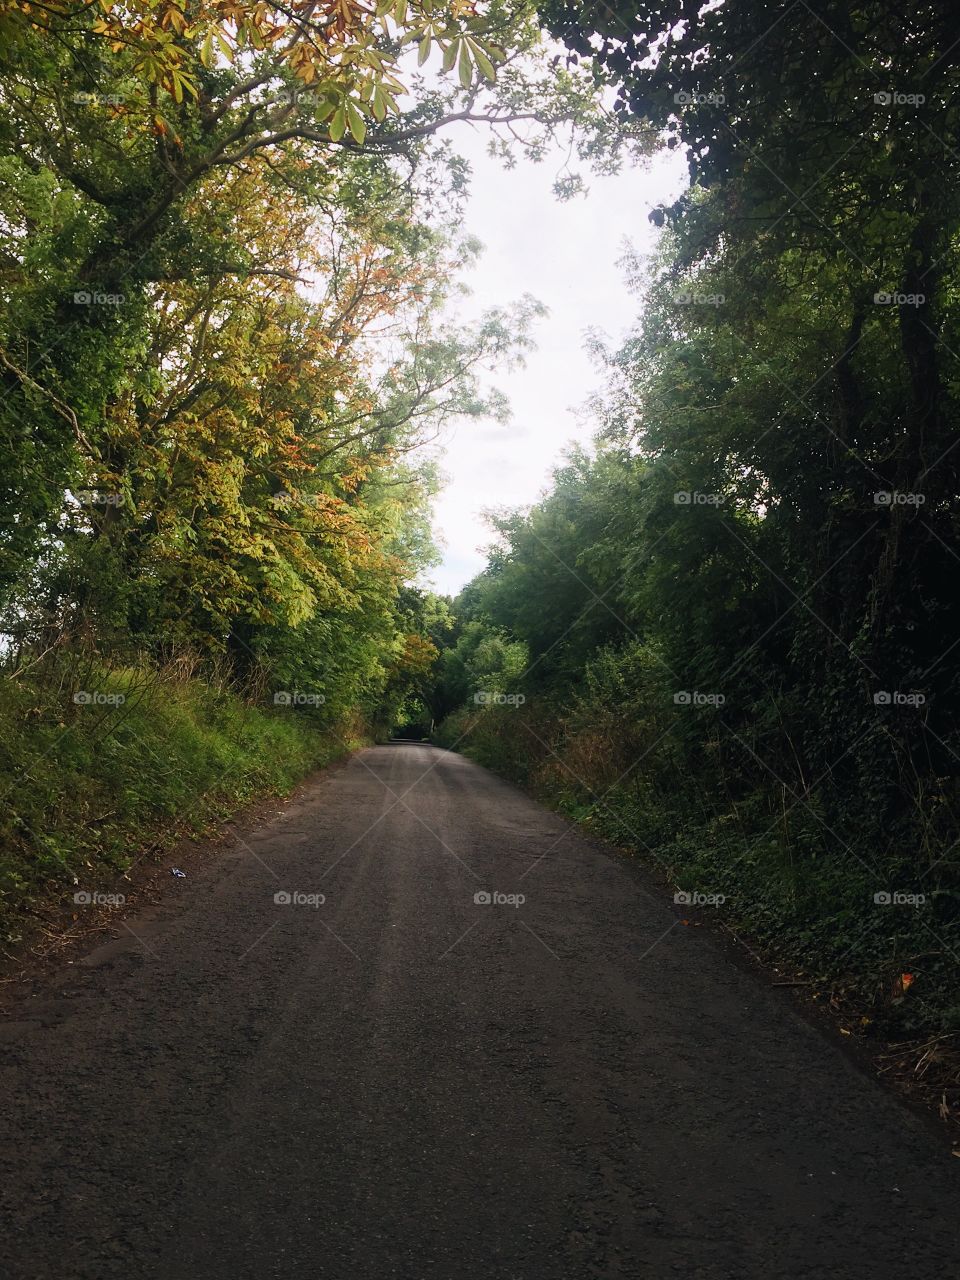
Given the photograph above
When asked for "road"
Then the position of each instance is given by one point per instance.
(404, 1082)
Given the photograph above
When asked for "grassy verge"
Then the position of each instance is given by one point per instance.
(99, 765)
(809, 892)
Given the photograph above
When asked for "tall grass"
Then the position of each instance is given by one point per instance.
(100, 763)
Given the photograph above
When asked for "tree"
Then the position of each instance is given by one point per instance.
(130, 134)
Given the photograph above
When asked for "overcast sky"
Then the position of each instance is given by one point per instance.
(565, 255)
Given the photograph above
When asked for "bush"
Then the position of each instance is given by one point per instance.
(610, 757)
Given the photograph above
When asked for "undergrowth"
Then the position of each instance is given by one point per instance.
(99, 764)
(801, 883)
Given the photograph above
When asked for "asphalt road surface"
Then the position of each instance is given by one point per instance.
(405, 1082)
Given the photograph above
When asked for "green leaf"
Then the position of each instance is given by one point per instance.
(486, 67)
(338, 124)
(450, 54)
(424, 52)
(465, 68)
(358, 126)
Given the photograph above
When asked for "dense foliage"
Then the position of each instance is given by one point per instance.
(229, 236)
(740, 613)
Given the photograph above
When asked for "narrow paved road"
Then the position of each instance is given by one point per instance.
(403, 1082)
